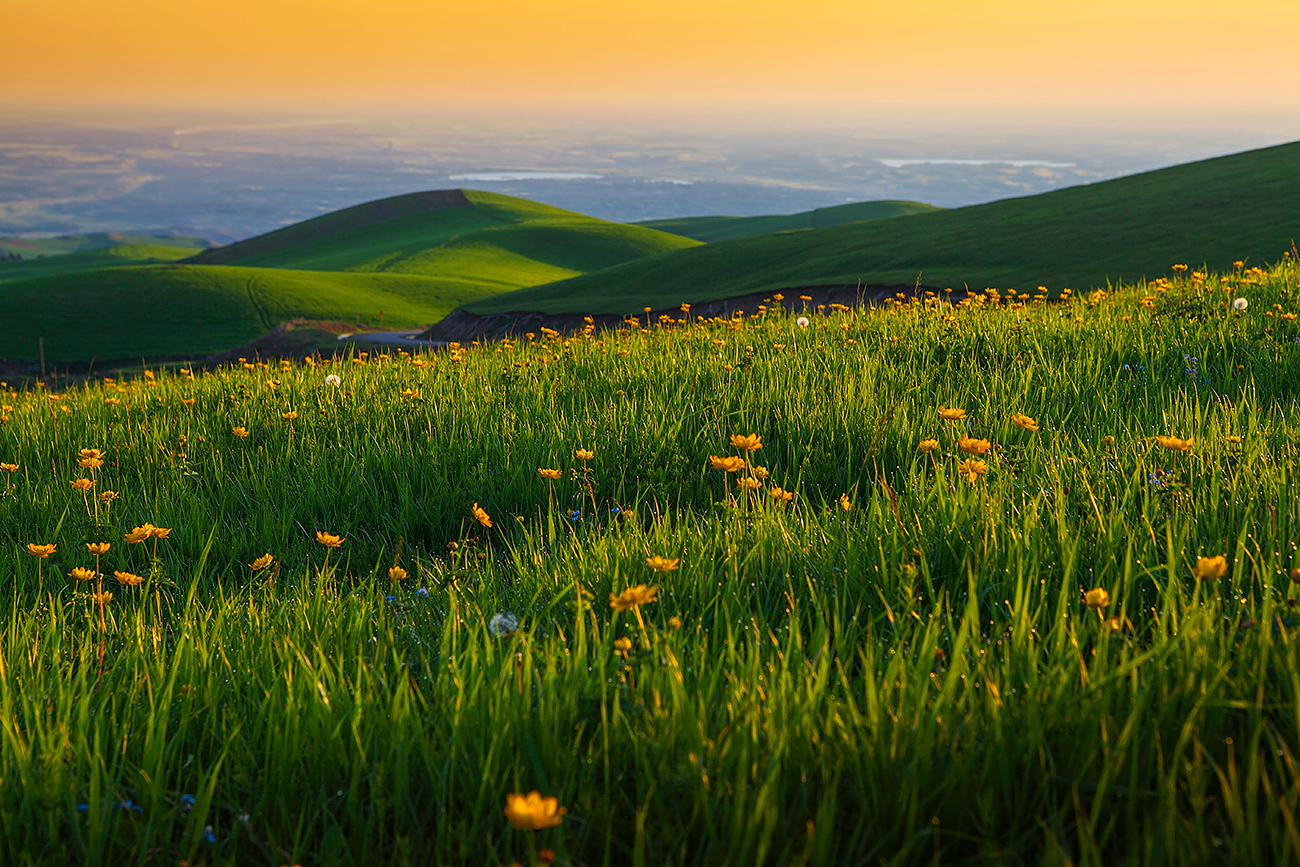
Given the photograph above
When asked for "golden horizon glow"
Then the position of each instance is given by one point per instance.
(1140, 53)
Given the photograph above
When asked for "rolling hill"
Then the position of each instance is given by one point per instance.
(414, 257)
(1213, 211)
(711, 229)
(102, 257)
(30, 248)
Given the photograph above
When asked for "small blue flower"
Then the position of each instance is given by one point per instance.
(390, 598)
(187, 801)
(81, 808)
(616, 510)
(423, 591)
(208, 836)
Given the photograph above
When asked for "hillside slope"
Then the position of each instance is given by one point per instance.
(195, 310)
(30, 248)
(433, 233)
(712, 229)
(103, 257)
(415, 258)
(1213, 211)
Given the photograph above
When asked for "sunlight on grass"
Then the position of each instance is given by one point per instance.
(1010, 581)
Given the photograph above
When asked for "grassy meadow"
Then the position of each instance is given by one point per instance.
(1005, 583)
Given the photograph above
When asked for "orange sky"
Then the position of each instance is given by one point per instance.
(1099, 55)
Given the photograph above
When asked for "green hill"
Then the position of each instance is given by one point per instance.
(104, 257)
(456, 233)
(195, 310)
(30, 248)
(413, 257)
(1213, 211)
(711, 229)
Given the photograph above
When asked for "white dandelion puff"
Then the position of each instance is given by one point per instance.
(333, 379)
(802, 322)
(503, 624)
(1240, 304)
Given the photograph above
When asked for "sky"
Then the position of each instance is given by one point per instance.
(1101, 58)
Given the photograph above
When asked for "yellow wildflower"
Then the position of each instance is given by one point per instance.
(89, 463)
(1097, 598)
(290, 415)
(973, 446)
(749, 483)
(532, 812)
(82, 485)
(95, 454)
(951, 413)
(638, 595)
(972, 470)
(662, 564)
(128, 579)
(241, 432)
(139, 534)
(1175, 444)
(329, 540)
(751, 443)
(481, 516)
(1021, 420)
(548, 474)
(187, 401)
(41, 551)
(1210, 568)
(674, 622)
(98, 548)
(927, 446)
(845, 503)
(9, 468)
(781, 496)
(108, 496)
(1233, 439)
(584, 454)
(397, 573)
(160, 532)
(729, 464)
(623, 645)
(80, 574)
(261, 563)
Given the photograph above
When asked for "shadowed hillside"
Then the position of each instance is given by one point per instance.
(711, 229)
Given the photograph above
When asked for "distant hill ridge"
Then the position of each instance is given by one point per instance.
(711, 229)
(356, 217)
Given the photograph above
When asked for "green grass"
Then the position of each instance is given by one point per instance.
(414, 257)
(103, 257)
(194, 310)
(30, 248)
(912, 681)
(711, 229)
(1215, 211)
